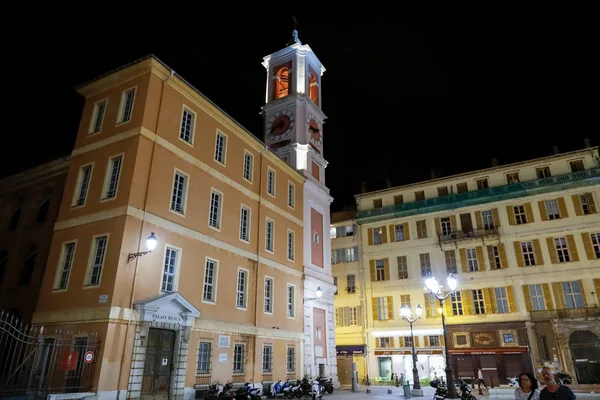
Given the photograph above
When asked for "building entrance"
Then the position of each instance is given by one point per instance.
(156, 381)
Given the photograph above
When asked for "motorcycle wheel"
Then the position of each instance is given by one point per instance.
(330, 390)
(471, 397)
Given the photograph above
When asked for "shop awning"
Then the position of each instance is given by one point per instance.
(513, 350)
(353, 349)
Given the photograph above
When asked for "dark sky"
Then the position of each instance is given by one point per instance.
(402, 93)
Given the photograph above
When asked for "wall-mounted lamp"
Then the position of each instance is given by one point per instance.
(150, 244)
(318, 293)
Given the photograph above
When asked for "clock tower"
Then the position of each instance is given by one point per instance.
(294, 131)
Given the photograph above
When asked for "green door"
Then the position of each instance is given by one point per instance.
(158, 365)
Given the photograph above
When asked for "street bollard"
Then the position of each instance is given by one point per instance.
(368, 390)
(389, 391)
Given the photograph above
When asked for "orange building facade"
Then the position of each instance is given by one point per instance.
(222, 295)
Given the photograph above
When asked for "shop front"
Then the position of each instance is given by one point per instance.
(430, 364)
(346, 356)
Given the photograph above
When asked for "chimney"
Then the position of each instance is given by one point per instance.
(494, 162)
(363, 187)
(555, 149)
(587, 143)
(434, 173)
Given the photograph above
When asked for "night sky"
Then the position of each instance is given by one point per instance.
(402, 93)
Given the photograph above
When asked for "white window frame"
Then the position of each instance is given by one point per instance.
(61, 266)
(271, 295)
(223, 162)
(271, 181)
(290, 306)
(245, 289)
(561, 249)
(382, 308)
(184, 195)
(94, 117)
(287, 358)
(250, 156)
(213, 192)
(478, 302)
(502, 299)
(176, 274)
(242, 370)
(536, 293)
(78, 185)
(291, 195)
(122, 104)
(528, 252)
(472, 261)
(272, 239)
(291, 250)
(108, 176)
(520, 214)
(270, 364)
(184, 109)
(90, 265)
(248, 223)
(215, 279)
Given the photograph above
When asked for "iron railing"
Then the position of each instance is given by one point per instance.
(585, 312)
(35, 362)
(465, 235)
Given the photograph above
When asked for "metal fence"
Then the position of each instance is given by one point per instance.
(35, 362)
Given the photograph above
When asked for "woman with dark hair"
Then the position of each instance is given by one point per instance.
(528, 387)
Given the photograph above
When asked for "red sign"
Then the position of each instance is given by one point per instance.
(69, 360)
(88, 357)
(512, 350)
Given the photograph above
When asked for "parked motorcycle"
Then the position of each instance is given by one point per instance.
(327, 384)
(465, 391)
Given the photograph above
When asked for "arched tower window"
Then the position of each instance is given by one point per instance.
(3, 263)
(313, 86)
(14, 220)
(43, 211)
(31, 254)
(283, 80)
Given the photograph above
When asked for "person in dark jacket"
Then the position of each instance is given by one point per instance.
(553, 389)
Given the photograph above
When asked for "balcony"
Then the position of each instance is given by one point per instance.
(475, 234)
(482, 196)
(569, 313)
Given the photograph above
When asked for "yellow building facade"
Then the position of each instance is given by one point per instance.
(523, 240)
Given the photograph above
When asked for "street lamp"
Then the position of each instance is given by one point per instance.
(406, 314)
(318, 293)
(435, 288)
(150, 244)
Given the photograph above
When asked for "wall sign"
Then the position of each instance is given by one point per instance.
(103, 299)
(224, 341)
(222, 357)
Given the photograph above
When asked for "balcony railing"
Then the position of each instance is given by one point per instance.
(586, 312)
(466, 235)
(481, 196)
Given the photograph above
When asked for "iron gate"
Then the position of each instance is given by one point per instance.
(35, 362)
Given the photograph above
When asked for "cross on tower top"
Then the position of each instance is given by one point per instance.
(294, 38)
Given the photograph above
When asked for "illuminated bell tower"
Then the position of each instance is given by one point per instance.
(293, 116)
(294, 131)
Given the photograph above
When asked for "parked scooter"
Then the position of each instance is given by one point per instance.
(327, 384)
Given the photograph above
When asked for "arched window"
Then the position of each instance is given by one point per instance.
(14, 220)
(31, 254)
(313, 87)
(3, 263)
(282, 77)
(43, 211)
(585, 351)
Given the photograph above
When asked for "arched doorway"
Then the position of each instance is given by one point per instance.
(585, 350)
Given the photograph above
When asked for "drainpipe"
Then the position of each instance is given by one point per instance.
(256, 297)
(135, 274)
(363, 297)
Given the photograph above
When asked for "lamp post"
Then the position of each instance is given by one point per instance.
(150, 243)
(434, 287)
(406, 314)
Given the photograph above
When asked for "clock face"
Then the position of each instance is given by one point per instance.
(280, 125)
(314, 131)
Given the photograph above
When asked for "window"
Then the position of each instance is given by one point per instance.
(488, 220)
(3, 263)
(214, 215)
(402, 267)
(422, 229)
(377, 203)
(494, 257)
(248, 164)
(271, 182)
(399, 230)
(595, 238)
(425, 264)
(111, 181)
(451, 266)
(347, 316)
(478, 302)
(377, 236)
(456, 300)
(573, 294)
(291, 309)
(267, 358)
(446, 226)
(220, 148)
(269, 232)
(442, 191)
(576, 165)
(512, 177)
(351, 283)
(472, 260)
(126, 107)
(587, 204)
(562, 250)
(204, 356)
(268, 306)
(407, 341)
(170, 270)
(97, 117)
(179, 194)
(245, 224)
(14, 220)
(382, 308)
(188, 122)
(291, 195)
(520, 216)
(66, 263)
(333, 233)
(384, 342)
(290, 245)
(482, 183)
(501, 300)
(335, 283)
(291, 359)
(210, 281)
(242, 285)
(344, 255)
(380, 270)
(28, 265)
(434, 341)
(405, 300)
(313, 86)
(419, 195)
(537, 297)
(543, 172)
(238, 358)
(552, 209)
(398, 199)
(462, 187)
(43, 211)
(528, 253)
(433, 305)
(83, 184)
(99, 250)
